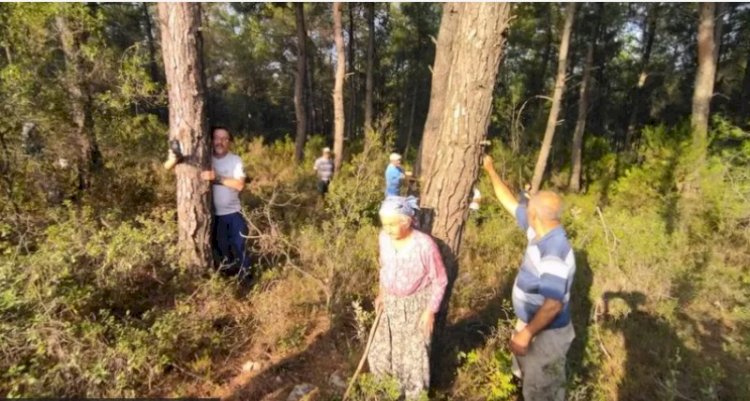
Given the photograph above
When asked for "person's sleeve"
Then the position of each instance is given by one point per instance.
(553, 279)
(239, 169)
(436, 272)
(521, 217)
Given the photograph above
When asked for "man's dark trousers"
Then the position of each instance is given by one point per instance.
(230, 236)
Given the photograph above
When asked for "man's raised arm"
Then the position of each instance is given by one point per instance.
(503, 193)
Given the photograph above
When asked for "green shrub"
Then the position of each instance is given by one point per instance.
(485, 373)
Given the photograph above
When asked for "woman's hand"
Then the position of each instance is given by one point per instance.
(426, 323)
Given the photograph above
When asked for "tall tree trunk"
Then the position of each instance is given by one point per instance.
(535, 83)
(549, 133)
(182, 48)
(649, 33)
(299, 84)
(583, 104)
(745, 95)
(410, 129)
(352, 115)
(314, 117)
(338, 89)
(704, 78)
(77, 87)
(153, 67)
(472, 59)
(441, 69)
(370, 62)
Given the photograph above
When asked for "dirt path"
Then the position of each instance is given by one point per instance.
(322, 354)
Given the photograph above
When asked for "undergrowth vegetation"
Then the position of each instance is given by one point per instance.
(93, 303)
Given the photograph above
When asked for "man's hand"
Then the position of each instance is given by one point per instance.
(487, 163)
(172, 160)
(519, 342)
(426, 323)
(208, 175)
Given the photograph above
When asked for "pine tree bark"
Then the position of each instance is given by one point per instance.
(440, 72)
(80, 101)
(370, 66)
(583, 104)
(338, 89)
(472, 59)
(549, 133)
(299, 84)
(704, 78)
(181, 49)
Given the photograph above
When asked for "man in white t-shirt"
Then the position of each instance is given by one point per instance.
(228, 178)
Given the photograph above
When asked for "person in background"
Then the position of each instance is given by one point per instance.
(324, 168)
(412, 285)
(227, 177)
(394, 176)
(541, 292)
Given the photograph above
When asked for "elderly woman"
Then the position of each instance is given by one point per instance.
(412, 284)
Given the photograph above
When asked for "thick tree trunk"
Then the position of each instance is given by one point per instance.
(440, 72)
(649, 33)
(583, 105)
(80, 101)
(704, 78)
(338, 89)
(549, 133)
(299, 84)
(370, 62)
(472, 59)
(182, 48)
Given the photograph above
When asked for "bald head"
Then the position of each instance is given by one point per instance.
(547, 206)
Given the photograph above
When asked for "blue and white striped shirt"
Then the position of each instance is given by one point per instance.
(547, 271)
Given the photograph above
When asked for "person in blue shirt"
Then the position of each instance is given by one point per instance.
(541, 292)
(394, 176)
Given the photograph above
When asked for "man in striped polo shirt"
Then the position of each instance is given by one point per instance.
(324, 167)
(541, 292)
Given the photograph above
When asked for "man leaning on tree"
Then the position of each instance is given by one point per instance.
(228, 178)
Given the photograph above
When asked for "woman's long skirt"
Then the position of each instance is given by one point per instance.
(398, 348)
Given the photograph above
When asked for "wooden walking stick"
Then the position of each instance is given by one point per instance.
(364, 356)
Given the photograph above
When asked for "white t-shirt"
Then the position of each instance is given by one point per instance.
(227, 200)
